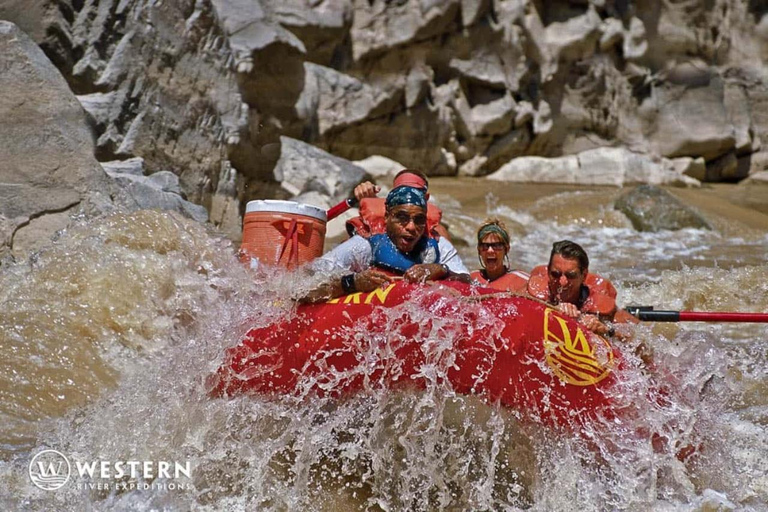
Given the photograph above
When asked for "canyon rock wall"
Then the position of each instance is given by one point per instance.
(646, 90)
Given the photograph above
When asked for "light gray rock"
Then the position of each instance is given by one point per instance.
(611, 33)
(303, 168)
(693, 167)
(687, 121)
(102, 107)
(537, 37)
(474, 166)
(133, 166)
(736, 103)
(315, 14)
(537, 169)
(635, 43)
(338, 100)
(46, 147)
(155, 80)
(379, 167)
(494, 118)
(31, 16)
(157, 191)
(249, 27)
(417, 83)
(484, 66)
(651, 208)
(752, 192)
(760, 177)
(600, 166)
(381, 25)
(320, 25)
(575, 38)
(416, 138)
(473, 10)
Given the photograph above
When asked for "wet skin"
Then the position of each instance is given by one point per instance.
(491, 250)
(565, 279)
(405, 226)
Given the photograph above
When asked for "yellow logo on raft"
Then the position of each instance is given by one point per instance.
(572, 358)
(365, 298)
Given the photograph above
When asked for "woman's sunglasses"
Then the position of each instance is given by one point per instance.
(497, 246)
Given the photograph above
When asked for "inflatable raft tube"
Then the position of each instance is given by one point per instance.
(507, 349)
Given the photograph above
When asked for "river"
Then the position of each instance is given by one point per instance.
(108, 334)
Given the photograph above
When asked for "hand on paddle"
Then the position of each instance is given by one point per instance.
(591, 322)
(424, 272)
(569, 309)
(365, 190)
(369, 280)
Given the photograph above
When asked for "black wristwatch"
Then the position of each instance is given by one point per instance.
(348, 283)
(611, 332)
(447, 270)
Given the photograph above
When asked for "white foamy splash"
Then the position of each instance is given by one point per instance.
(109, 335)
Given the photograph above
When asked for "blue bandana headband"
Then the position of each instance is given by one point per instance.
(406, 195)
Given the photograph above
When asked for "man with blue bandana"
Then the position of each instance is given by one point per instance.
(405, 249)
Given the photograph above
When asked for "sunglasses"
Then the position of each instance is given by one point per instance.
(496, 246)
(404, 219)
(556, 274)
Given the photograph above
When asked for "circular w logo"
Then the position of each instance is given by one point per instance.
(49, 470)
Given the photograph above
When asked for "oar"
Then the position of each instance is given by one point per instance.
(340, 208)
(647, 313)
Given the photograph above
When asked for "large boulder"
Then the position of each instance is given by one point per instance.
(48, 168)
(153, 75)
(160, 190)
(380, 25)
(651, 208)
(321, 26)
(753, 192)
(335, 100)
(380, 167)
(250, 27)
(600, 166)
(303, 168)
(575, 38)
(685, 120)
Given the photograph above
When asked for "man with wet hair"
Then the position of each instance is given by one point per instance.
(567, 283)
(405, 249)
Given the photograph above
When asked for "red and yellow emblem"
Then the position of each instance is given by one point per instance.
(571, 356)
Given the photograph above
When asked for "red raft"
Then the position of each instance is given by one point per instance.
(507, 349)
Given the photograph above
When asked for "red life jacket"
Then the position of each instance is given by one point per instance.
(600, 301)
(513, 281)
(371, 220)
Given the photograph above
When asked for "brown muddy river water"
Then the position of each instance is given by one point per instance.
(107, 336)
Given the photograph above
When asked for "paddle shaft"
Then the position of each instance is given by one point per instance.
(340, 208)
(650, 315)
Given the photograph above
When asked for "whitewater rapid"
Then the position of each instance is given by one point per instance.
(107, 337)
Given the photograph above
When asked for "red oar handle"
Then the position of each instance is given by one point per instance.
(647, 313)
(706, 316)
(340, 208)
